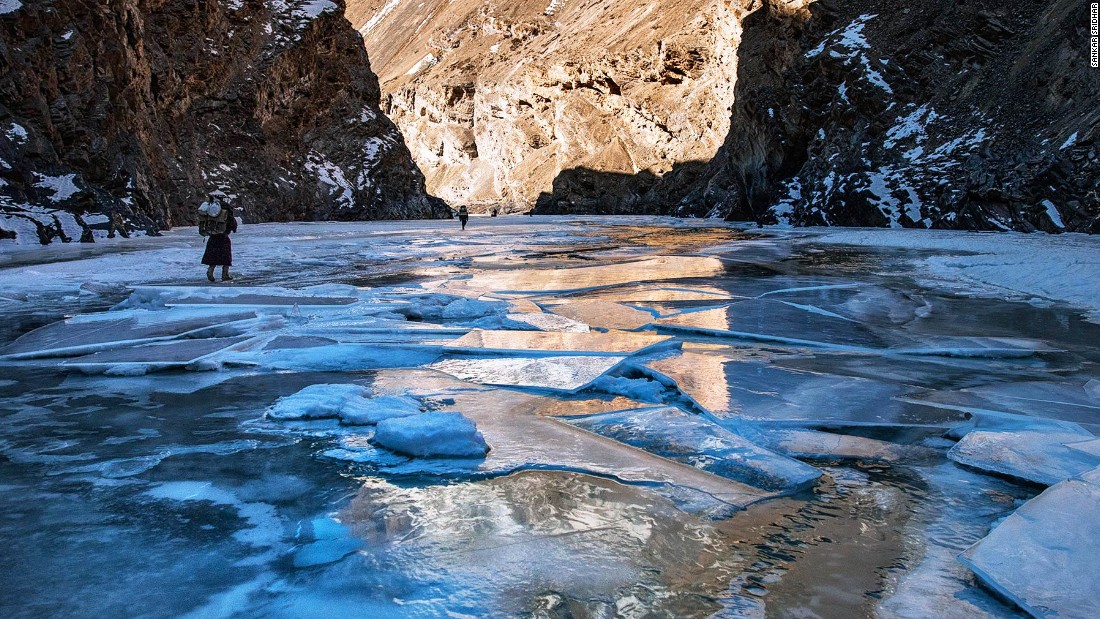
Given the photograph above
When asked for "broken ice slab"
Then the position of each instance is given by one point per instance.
(730, 385)
(604, 314)
(557, 343)
(1037, 457)
(671, 433)
(657, 294)
(1076, 402)
(139, 360)
(976, 347)
(547, 322)
(561, 373)
(351, 357)
(265, 300)
(814, 444)
(191, 296)
(770, 321)
(1045, 557)
(492, 546)
(564, 280)
(522, 434)
(101, 332)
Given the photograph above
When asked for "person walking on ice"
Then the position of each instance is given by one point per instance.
(216, 223)
(463, 216)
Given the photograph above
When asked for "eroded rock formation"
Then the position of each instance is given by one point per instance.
(942, 114)
(131, 109)
(496, 99)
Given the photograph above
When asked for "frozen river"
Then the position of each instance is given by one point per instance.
(684, 419)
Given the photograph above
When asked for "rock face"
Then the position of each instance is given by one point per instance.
(934, 113)
(497, 99)
(130, 109)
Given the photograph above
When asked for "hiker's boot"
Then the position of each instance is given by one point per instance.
(210, 274)
(226, 277)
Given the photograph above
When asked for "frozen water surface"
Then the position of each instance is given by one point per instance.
(683, 419)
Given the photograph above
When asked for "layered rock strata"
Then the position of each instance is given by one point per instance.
(122, 113)
(496, 100)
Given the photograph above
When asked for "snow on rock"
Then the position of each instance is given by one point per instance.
(62, 186)
(432, 435)
(352, 404)
(1039, 457)
(330, 174)
(1045, 557)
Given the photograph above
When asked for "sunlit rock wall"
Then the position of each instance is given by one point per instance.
(496, 99)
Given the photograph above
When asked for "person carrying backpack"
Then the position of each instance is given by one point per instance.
(216, 223)
(463, 216)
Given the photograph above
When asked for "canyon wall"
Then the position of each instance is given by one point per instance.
(975, 114)
(130, 110)
(497, 99)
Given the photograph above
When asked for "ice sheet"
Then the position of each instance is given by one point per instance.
(563, 280)
(691, 439)
(731, 387)
(1046, 556)
(558, 343)
(775, 322)
(560, 373)
(85, 336)
(549, 322)
(523, 436)
(604, 314)
(158, 356)
(1038, 457)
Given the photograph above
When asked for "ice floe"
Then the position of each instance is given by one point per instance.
(1038, 457)
(434, 435)
(1043, 557)
(671, 433)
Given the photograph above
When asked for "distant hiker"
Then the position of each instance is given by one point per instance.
(216, 222)
(463, 216)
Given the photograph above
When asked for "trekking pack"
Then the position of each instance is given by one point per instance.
(213, 219)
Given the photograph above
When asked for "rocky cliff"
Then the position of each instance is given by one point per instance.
(497, 99)
(936, 113)
(131, 109)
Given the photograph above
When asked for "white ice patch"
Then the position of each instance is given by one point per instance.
(9, 6)
(1070, 141)
(553, 7)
